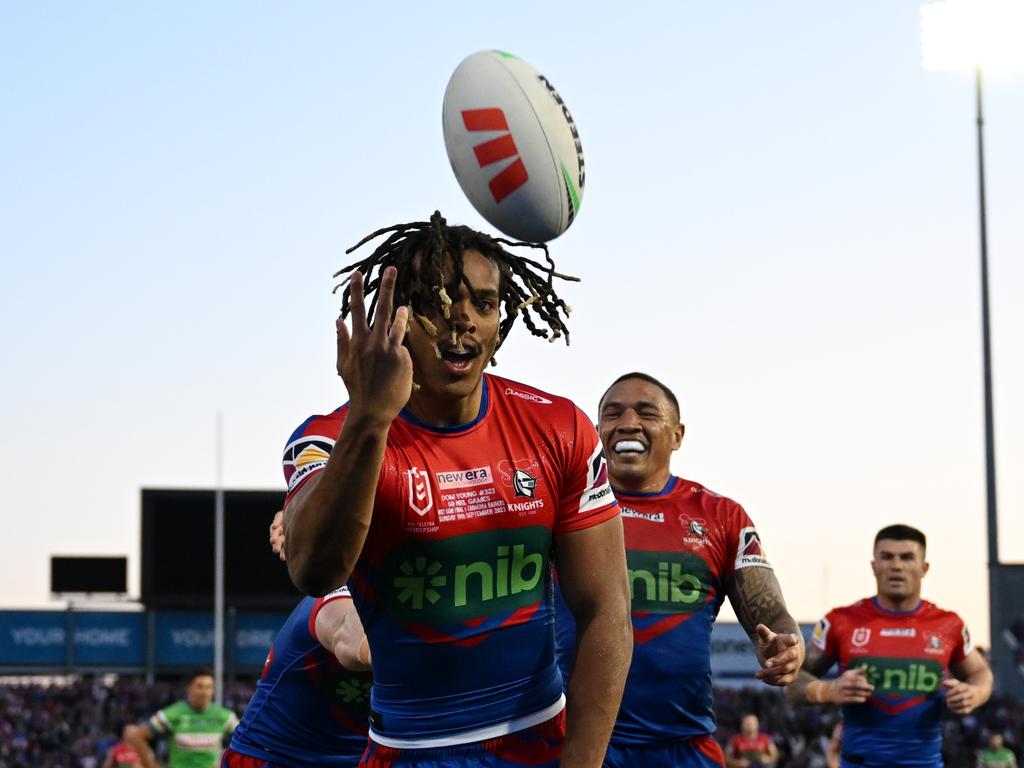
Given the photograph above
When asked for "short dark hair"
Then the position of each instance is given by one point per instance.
(199, 672)
(901, 532)
(643, 377)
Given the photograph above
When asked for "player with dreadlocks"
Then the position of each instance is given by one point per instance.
(442, 493)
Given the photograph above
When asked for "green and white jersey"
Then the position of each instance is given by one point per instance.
(194, 738)
(997, 758)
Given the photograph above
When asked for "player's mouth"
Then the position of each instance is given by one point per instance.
(459, 362)
(633, 447)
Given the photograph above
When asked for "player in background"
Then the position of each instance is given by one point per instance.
(440, 493)
(195, 727)
(997, 754)
(750, 748)
(121, 755)
(900, 658)
(313, 697)
(687, 548)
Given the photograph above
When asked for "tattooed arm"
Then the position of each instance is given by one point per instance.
(851, 687)
(756, 597)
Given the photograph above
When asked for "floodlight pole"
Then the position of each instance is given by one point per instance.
(986, 343)
(218, 569)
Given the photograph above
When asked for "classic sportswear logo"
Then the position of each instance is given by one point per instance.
(465, 577)
(532, 397)
(654, 517)
(502, 147)
(897, 632)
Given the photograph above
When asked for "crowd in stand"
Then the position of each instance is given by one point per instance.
(72, 723)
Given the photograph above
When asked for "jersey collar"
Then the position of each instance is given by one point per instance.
(669, 486)
(911, 612)
(406, 415)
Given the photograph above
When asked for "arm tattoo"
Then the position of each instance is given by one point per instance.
(816, 662)
(756, 597)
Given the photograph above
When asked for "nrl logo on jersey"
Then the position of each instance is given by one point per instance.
(421, 497)
(861, 636)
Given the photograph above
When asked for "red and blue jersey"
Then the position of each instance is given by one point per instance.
(307, 710)
(453, 585)
(682, 544)
(906, 655)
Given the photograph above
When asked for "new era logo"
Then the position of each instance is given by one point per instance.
(514, 175)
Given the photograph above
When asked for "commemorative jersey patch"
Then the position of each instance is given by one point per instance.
(304, 457)
(750, 552)
(819, 638)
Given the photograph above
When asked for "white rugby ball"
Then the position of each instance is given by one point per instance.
(513, 146)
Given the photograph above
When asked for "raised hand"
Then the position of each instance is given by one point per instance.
(376, 368)
(782, 656)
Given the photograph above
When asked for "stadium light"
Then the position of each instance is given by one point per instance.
(978, 35)
(964, 35)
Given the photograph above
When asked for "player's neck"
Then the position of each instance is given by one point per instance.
(898, 604)
(648, 484)
(440, 411)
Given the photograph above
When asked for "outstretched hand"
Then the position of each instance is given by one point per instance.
(376, 368)
(781, 654)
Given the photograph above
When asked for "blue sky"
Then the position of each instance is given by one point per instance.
(780, 221)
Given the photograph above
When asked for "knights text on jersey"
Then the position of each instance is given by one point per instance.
(308, 710)
(906, 655)
(682, 543)
(453, 585)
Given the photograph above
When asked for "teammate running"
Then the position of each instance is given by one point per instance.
(750, 748)
(687, 548)
(443, 492)
(313, 698)
(894, 651)
(195, 727)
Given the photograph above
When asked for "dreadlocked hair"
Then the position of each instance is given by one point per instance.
(526, 285)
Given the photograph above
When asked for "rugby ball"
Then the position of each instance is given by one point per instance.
(513, 146)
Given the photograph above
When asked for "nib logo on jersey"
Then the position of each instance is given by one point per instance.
(902, 677)
(464, 577)
(667, 582)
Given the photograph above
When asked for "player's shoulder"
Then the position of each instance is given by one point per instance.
(706, 496)
(860, 609)
(325, 425)
(516, 396)
(933, 613)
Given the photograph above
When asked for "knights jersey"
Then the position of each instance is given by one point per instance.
(123, 755)
(682, 544)
(754, 749)
(307, 710)
(906, 655)
(453, 585)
